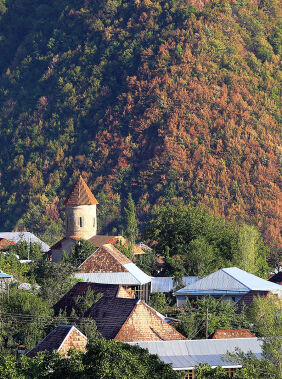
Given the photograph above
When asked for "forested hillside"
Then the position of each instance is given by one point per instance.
(165, 99)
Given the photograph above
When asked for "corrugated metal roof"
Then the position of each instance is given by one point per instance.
(139, 275)
(229, 280)
(123, 278)
(186, 354)
(166, 283)
(24, 236)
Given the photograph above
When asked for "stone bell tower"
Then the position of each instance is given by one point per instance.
(81, 219)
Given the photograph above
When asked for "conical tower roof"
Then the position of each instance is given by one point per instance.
(80, 194)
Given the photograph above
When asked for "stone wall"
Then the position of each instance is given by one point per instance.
(82, 214)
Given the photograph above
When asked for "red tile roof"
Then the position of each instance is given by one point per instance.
(80, 194)
(232, 333)
(4, 243)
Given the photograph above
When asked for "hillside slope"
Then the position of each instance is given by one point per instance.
(164, 99)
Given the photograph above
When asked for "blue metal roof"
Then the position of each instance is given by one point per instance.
(229, 280)
(167, 284)
(187, 354)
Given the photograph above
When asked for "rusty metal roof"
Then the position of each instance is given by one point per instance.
(80, 194)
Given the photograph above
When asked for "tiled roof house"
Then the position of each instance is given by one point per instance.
(61, 339)
(108, 265)
(128, 320)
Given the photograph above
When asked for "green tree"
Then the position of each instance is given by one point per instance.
(103, 359)
(131, 224)
(81, 251)
(205, 371)
(210, 312)
(251, 255)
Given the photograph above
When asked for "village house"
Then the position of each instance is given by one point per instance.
(61, 339)
(117, 314)
(128, 320)
(10, 238)
(109, 266)
(233, 284)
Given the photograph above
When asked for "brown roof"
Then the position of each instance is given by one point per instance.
(4, 243)
(100, 240)
(68, 301)
(232, 333)
(55, 340)
(129, 320)
(105, 259)
(80, 194)
(247, 299)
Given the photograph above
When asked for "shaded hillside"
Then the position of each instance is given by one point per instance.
(162, 99)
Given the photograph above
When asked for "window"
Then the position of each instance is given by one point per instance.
(94, 222)
(231, 372)
(189, 374)
(80, 222)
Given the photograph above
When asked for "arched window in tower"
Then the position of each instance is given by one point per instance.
(80, 222)
(94, 222)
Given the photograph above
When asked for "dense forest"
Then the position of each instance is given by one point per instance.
(164, 99)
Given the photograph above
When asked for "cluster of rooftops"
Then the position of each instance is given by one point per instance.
(122, 313)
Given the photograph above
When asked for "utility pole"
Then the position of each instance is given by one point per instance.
(207, 323)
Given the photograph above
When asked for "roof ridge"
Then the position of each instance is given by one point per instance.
(223, 269)
(109, 251)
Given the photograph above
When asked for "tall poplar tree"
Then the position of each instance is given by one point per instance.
(131, 224)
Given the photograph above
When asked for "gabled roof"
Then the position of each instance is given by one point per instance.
(229, 280)
(111, 314)
(80, 194)
(55, 340)
(186, 355)
(24, 236)
(130, 320)
(68, 301)
(108, 265)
